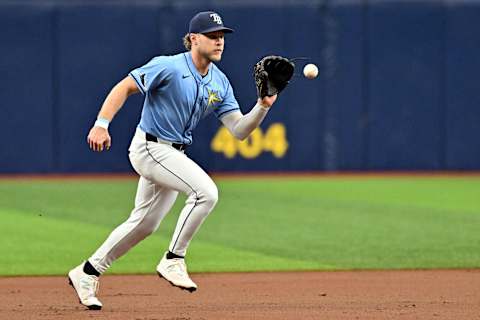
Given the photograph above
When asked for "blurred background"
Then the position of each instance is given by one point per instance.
(397, 90)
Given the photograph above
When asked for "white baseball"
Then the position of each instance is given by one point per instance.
(310, 71)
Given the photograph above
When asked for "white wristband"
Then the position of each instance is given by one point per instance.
(102, 123)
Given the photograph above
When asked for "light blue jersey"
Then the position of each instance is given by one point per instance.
(177, 96)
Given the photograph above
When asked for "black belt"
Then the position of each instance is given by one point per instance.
(177, 146)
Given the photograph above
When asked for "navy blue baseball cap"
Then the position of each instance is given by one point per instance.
(207, 21)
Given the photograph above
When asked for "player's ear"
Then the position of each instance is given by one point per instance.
(194, 38)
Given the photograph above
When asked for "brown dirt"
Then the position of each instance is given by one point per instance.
(439, 294)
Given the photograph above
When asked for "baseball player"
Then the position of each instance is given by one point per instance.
(179, 90)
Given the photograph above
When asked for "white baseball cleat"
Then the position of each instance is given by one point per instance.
(86, 287)
(175, 272)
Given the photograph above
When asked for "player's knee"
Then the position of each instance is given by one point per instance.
(210, 195)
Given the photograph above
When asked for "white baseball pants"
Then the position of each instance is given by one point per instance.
(164, 171)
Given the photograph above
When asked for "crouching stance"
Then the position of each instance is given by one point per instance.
(179, 90)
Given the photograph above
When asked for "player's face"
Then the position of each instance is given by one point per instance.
(210, 45)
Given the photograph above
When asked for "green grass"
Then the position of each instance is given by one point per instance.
(46, 227)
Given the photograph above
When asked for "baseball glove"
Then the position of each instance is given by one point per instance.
(272, 74)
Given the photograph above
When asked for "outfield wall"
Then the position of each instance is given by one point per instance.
(398, 85)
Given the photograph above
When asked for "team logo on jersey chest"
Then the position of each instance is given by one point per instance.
(212, 98)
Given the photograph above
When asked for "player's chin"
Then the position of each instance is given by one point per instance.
(216, 56)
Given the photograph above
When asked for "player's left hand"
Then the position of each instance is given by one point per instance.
(272, 74)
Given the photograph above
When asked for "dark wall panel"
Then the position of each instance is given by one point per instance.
(463, 95)
(99, 45)
(397, 87)
(26, 89)
(405, 85)
(343, 69)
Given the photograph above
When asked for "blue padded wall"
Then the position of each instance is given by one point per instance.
(462, 143)
(405, 76)
(27, 94)
(397, 88)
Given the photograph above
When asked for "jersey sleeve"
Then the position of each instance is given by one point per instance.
(228, 104)
(149, 76)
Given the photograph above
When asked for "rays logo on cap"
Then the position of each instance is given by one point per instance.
(216, 18)
(205, 22)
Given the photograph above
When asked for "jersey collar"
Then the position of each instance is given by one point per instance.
(194, 71)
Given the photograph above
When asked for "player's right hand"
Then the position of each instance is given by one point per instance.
(98, 139)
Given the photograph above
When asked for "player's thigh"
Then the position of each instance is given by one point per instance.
(157, 198)
(170, 168)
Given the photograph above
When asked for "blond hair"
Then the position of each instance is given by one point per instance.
(187, 43)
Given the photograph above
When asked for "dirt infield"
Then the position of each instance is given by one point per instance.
(447, 294)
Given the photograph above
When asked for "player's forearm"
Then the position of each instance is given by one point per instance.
(241, 126)
(115, 100)
(112, 104)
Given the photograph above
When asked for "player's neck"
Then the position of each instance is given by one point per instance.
(201, 63)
